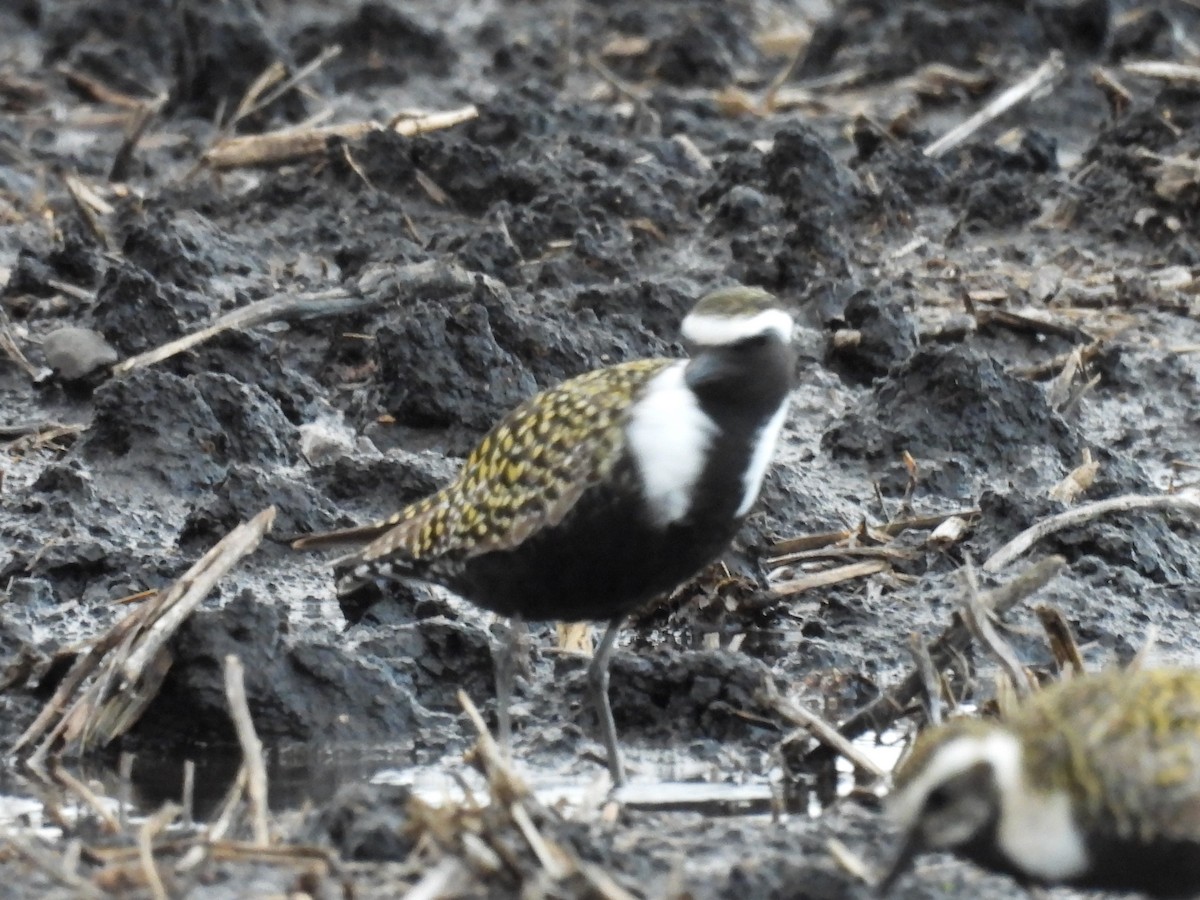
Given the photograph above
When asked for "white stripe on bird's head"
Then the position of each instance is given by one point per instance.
(735, 314)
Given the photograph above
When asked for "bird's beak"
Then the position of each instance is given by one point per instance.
(702, 369)
(909, 849)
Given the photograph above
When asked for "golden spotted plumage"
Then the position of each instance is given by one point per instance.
(526, 473)
(1124, 744)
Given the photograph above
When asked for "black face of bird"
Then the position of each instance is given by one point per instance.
(753, 373)
(959, 814)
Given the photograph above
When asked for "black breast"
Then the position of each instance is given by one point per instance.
(605, 558)
(1157, 868)
(608, 556)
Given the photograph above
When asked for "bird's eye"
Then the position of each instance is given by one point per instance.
(754, 341)
(938, 799)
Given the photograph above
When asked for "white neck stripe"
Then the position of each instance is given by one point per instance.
(1037, 829)
(669, 436)
(718, 331)
(760, 459)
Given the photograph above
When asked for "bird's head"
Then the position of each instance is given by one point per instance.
(740, 339)
(948, 791)
(736, 317)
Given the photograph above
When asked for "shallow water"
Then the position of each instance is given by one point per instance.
(299, 778)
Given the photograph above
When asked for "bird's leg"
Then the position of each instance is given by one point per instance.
(598, 683)
(506, 666)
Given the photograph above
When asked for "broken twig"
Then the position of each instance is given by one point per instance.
(881, 712)
(1043, 75)
(1061, 639)
(1185, 501)
(830, 577)
(931, 682)
(252, 751)
(130, 660)
(1164, 70)
(977, 618)
(818, 728)
(377, 286)
(296, 143)
(891, 529)
(150, 829)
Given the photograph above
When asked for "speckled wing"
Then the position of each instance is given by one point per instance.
(1134, 759)
(1155, 769)
(525, 475)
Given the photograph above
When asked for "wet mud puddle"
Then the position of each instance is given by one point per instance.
(659, 785)
(661, 782)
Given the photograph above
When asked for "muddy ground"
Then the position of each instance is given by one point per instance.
(626, 157)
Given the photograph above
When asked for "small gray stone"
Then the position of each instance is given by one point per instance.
(1046, 282)
(321, 443)
(75, 353)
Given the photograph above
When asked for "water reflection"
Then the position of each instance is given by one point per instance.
(302, 776)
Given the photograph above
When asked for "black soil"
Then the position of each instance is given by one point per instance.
(616, 170)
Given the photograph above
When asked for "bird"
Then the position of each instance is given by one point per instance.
(1093, 782)
(595, 496)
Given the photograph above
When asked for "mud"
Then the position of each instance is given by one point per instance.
(609, 179)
